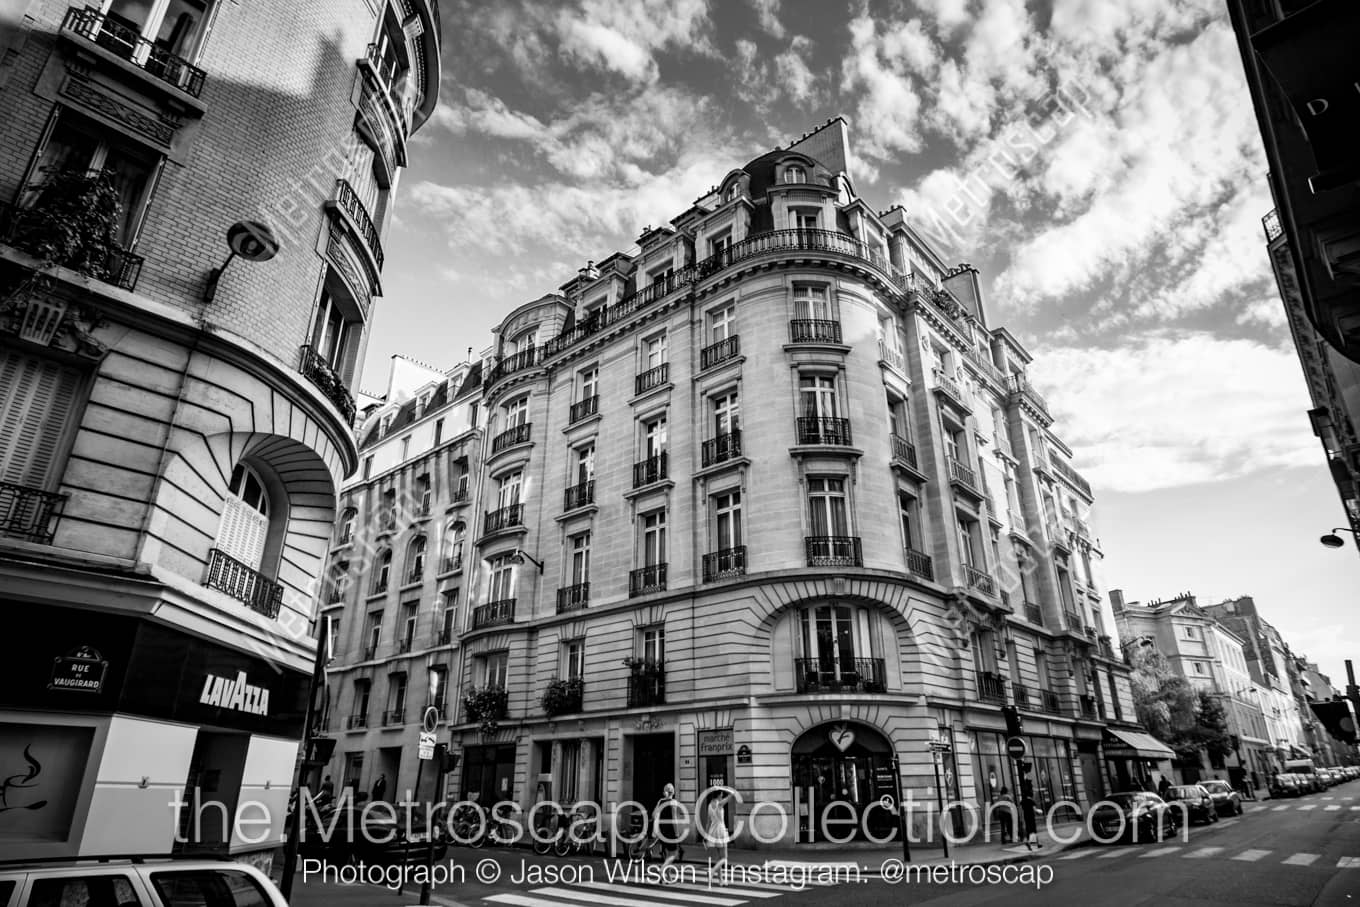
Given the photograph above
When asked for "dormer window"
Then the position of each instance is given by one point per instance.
(732, 192)
(795, 175)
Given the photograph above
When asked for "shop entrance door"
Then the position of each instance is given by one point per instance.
(211, 791)
(834, 767)
(653, 767)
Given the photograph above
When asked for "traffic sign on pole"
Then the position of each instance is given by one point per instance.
(426, 748)
(1016, 747)
(430, 720)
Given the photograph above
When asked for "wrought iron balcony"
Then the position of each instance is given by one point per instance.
(504, 518)
(846, 675)
(963, 476)
(991, 686)
(725, 563)
(350, 202)
(1050, 702)
(516, 362)
(647, 688)
(647, 579)
(652, 378)
(824, 430)
(29, 513)
(493, 614)
(1034, 614)
(459, 497)
(121, 268)
(723, 447)
(719, 352)
(127, 43)
(356, 721)
(950, 387)
(903, 450)
(1021, 694)
(1019, 389)
(572, 598)
(1086, 707)
(579, 495)
(245, 584)
(812, 330)
(394, 716)
(584, 408)
(920, 564)
(980, 580)
(833, 551)
(891, 355)
(652, 469)
(518, 434)
(317, 370)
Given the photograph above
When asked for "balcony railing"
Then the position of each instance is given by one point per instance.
(245, 584)
(991, 687)
(516, 362)
(950, 387)
(356, 721)
(493, 614)
(812, 330)
(724, 563)
(652, 469)
(719, 352)
(504, 518)
(394, 716)
(652, 378)
(824, 430)
(1034, 614)
(1019, 388)
(833, 551)
(647, 579)
(317, 370)
(980, 580)
(846, 675)
(460, 496)
(1271, 224)
(518, 434)
(722, 448)
(647, 688)
(903, 450)
(1049, 702)
(353, 205)
(920, 564)
(963, 475)
(579, 495)
(1086, 707)
(127, 43)
(1074, 621)
(584, 408)
(1071, 475)
(29, 513)
(891, 355)
(572, 598)
(1021, 694)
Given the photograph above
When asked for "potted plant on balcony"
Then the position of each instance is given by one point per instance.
(74, 222)
(486, 706)
(645, 667)
(561, 697)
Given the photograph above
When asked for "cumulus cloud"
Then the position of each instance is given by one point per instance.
(767, 13)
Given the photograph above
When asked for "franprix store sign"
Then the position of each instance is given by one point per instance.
(91, 661)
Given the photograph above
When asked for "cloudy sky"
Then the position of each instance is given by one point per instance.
(1119, 233)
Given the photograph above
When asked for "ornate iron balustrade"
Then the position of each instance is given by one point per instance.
(356, 721)
(353, 205)
(29, 513)
(1086, 707)
(127, 43)
(962, 474)
(811, 330)
(652, 469)
(647, 688)
(979, 579)
(831, 430)
(493, 614)
(724, 563)
(652, 378)
(394, 716)
(719, 352)
(1021, 694)
(405, 102)
(991, 686)
(920, 564)
(579, 495)
(317, 370)
(459, 497)
(643, 580)
(584, 408)
(903, 450)
(833, 551)
(504, 518)
(245, 584)
(1018, 387)
(1034, 614)
(572, 598)
(518, 434)
(1049, 702)
(723, 447)
(846, 675)
(516, 362)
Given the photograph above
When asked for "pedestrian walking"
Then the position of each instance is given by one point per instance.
(1163, 787)
(1006, 804)
(380, 788)
(717, 835)
(665, 820)
(1027, 812)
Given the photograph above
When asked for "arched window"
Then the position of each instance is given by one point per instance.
(795, 175)
(347, 526)
(453, 549)
(835, 650)
(415, 559)
(245, 518)
(383, 572)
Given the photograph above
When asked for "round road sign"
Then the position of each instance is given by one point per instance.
(431, 720)
(1016, 747)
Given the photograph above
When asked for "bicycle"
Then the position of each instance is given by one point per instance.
(650, 846)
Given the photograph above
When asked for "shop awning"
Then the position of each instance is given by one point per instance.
(1133, 743)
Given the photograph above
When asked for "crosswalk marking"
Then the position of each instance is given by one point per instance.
(1302, 859)
(1224, 823)
(1329, 798)
(592, 897)
(1309, 806)
(688, 897)
(1278, 808)
(1159, 852)
(1077, 854)
(1119, 851)
(1251, 856)
(1204, 852)
(1332, 808)
(725, 890)
(522, 900)
(1348, 863)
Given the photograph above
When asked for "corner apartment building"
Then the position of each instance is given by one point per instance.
(768, 503)
(1213, 660)
(176, 411)
(1296, 54)
(395, 577)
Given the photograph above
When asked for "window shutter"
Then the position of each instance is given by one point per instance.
(783, 654)
(242, 533)
(36, 398)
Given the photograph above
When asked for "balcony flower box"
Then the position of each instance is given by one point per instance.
(562, 697)
(486, 706)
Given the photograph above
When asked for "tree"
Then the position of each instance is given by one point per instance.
(1175, 713)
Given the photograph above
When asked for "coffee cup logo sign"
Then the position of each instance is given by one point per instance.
(235, 694)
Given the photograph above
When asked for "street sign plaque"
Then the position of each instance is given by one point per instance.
(426, 747)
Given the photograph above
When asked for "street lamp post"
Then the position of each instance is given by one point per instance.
(1332, 540)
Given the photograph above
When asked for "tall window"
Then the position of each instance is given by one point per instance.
(439, 687)
(897, 417)
(580, 558)
(415, 560)
(409, 617)
(502, 579)
(654, 437)
(396, 696)
(373, 633)
(654, 644)
(811, 302)
(590, 382)
(954, 443)
(361, 694)
(832, 637)
(438, 431)
(494, 670)
(726, 413)
(585, 463)
(727, 520)
(826, 506)
(347, 525)
(449, 617)
(516, 413)
(654, 352)
(245, 518)
(573, 659)
(717, 245)
(383, 574)
(508, 489)
(818, 394)
(424, 496)
(806, 219)
(906, 511)
(1041, 668)
(654, 538)
(453, 547)
(176, 27)
(970, 541)
(722, 323)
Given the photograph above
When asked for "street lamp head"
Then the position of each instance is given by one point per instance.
(1332, 541)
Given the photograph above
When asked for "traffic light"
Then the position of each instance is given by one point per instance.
(444, 761)
(322, 749)
(1014, 726)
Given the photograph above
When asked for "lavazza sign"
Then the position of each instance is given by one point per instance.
(237, 695)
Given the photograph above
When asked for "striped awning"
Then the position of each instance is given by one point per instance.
(1134, 744)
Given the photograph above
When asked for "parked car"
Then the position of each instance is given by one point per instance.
(1194, 800)
(1285, 785)
(158, 883)
(1134, 816)
(1227, 802)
